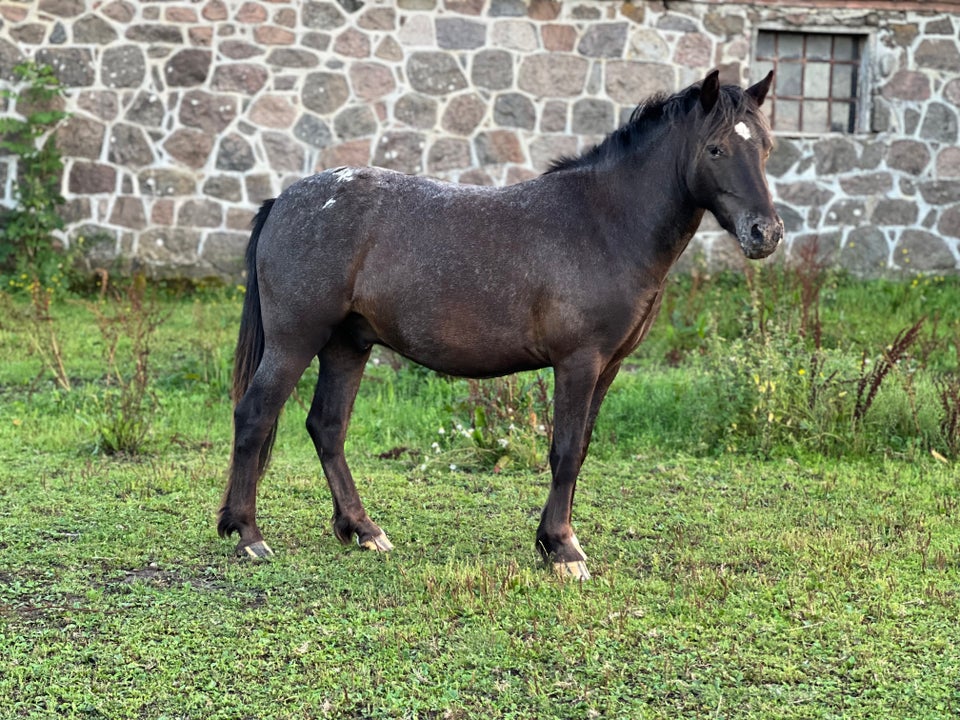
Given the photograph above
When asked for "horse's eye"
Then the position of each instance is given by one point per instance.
(715, 150)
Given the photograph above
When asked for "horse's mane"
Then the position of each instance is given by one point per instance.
(731, 104)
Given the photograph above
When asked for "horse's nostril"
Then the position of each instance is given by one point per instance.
(756, 233)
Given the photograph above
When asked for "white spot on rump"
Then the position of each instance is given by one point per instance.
(345, 174)
(742, 130)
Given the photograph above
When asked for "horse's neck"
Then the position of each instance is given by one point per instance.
(658, 212)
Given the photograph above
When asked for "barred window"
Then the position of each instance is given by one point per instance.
(817, 85)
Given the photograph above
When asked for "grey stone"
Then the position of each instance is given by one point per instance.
(235, 153)
(676, 23)
(91, 178)
(872, 154)
(593, 116)
(355, 121)
(259, 187)
(81, 137)
(496, 147)
(629, 82)
(188, 68)
(605, 40)
(93, 30)
(128, 212)
(292, 58)
(189, 146)
(123, 67)
(553, 75)
(169, 251)
(950, 221)
(846, 212)
(895, 211)
(207, 111)
(166, 182)
(448, 154)
(804, 193)
(940, 192)
(322, 15)
(724, 24)
(554, 117)
(401, 151)
(821, 247)
(62, 8)
(10, 57)
(492, 69)
(325, 92)
(200, 213)
(416, 110)
(463, 114)
(239, 49)
(246, 78)
(59, 34)
(146, 109)
(378, 18)
(313, 131)
(866, 252)
(585, 12)
(224, 253)
(514, 110)
(317, 41)
(784, 156)
(908, 156)
(923, 251)
(460, 34)
(938, 55)
(224, 187)
(73, 66)
(435, 73)
(867, 183)
(507, 8)
(834, 155)
(154, 33)
(129, 147)
(371, 80)
(939, 124)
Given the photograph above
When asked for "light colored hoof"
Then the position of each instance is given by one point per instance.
(576, 570)
(256, 551)
(378, 544)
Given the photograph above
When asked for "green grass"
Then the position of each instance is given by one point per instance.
(771, 582)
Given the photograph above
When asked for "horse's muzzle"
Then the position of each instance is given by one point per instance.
(759, 235)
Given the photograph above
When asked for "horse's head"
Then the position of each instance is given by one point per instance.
(727, 174)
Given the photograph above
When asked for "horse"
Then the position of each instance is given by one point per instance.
(565, 270)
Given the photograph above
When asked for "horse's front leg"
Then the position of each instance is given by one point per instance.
(577, 381)
(341, 369)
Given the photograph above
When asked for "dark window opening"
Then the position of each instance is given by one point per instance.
(816, 89)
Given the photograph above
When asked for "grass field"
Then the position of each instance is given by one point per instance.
(756, 552)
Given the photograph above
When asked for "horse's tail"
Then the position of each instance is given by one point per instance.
(250, 342)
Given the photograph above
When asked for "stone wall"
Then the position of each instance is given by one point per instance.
(187, 114)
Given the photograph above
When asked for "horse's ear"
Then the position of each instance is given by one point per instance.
(759, 91)
(710, 90)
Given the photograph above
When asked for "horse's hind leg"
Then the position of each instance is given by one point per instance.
(341, 368)
(255, 418)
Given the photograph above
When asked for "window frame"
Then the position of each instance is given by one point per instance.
(868, 37)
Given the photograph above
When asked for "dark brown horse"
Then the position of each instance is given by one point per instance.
(565, 270)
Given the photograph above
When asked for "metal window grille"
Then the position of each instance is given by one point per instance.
(817, 80)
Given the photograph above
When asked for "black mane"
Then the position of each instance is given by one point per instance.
(650, 113)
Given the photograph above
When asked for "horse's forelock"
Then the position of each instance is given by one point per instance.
(733, 106)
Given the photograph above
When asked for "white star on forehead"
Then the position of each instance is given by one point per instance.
(742, 130)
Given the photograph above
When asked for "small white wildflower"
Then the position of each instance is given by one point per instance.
(452, 467)
(512, 427)
(441, 431)
(503, 442)
(436, 447)
(423, 468)
(541, 428)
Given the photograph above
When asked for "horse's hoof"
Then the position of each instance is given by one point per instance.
(380, 543)
(576, 570)
(255, 551)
